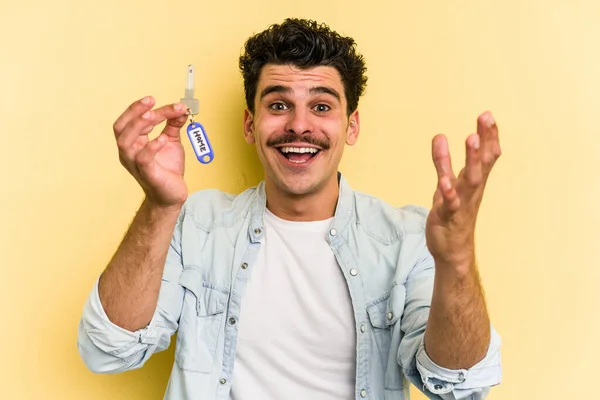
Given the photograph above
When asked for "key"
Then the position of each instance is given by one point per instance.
(195, 130)
(190, 102)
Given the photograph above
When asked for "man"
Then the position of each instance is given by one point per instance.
(299, 288)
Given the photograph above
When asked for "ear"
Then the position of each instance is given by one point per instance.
(353, 128)
(249, 127)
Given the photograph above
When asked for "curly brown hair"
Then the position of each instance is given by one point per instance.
(303, 44)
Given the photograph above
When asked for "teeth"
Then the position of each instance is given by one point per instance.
(298, 150)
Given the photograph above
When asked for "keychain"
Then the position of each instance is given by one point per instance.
(195, 130)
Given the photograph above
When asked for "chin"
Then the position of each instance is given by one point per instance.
(298, 185)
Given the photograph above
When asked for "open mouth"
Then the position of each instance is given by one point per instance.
(298, 155)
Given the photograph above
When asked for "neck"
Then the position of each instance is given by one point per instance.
(314, 206)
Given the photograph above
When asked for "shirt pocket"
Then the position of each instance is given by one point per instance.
(200, 323)
(384, 315)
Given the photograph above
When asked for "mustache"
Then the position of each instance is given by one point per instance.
(291, 137)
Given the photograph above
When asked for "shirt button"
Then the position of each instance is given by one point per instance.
(258, 231)
(244, 265)
(438, 387)
(363, 393)
(223, 381)
(332, 232)
(390, 316)
(461, 377)
(353, 272)
(232, 321)
(362, 328)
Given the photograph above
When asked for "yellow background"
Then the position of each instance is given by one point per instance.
(69, 68)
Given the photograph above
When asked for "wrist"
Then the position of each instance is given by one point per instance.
(458, 266)
(161, 210)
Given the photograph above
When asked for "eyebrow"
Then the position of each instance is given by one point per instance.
(286, 89)
(325, 90)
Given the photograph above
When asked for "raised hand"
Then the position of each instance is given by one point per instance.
(158, 164)
(452, 219)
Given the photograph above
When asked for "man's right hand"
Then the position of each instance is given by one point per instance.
(158, 164)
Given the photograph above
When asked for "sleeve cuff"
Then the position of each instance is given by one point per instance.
(440, 380)
(109, 337)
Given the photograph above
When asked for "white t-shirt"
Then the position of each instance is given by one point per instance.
(297, 337)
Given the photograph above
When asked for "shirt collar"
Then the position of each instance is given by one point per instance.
(341, 217)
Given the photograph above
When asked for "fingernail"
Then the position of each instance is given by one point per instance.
(161, 138)
(490, 121)
(476, 142)
(146, 100)
(178, 107)
(146, 115)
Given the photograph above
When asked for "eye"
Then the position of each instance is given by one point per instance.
(321, 108)
(278, 107)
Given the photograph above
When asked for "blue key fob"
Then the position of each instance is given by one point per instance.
(200, 143)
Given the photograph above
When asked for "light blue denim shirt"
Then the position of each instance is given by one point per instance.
(387, 267)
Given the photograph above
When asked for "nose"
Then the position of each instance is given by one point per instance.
(299, 122)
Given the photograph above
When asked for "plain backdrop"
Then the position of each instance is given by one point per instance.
(69, 68)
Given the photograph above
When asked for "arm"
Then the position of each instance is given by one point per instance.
(106, 347)
(129, 287)
(448, 338)
(438, 381)
(458, 330)
(133, 309)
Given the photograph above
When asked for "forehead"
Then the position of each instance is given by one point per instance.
(300, 79)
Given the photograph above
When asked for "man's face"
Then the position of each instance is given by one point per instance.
(300, 126)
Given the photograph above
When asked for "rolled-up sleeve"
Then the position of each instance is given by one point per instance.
(107, 348)
(473, 383)
(434, 381)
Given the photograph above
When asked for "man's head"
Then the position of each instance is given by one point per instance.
(302, 83)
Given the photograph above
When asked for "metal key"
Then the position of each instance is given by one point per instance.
(190, 102)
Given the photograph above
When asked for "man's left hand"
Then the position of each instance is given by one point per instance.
(451, 221)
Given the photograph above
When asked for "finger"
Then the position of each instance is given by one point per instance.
(170, 112)
(451, 199)
(489, 142)
(173, 127)
(134, 110)
(145, 158)
(473, 168)
(441, 156)
(438, 194)
(144, 124)
(137, 127)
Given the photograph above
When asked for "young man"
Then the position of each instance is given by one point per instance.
(299, 288)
